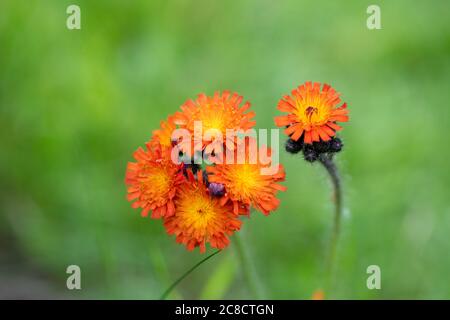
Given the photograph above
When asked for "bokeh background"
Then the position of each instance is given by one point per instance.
(75, 104)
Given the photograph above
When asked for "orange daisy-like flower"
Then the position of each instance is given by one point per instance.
(313, 113)
(152, 181)
(199, 218)
(247, 183)
(219, 112)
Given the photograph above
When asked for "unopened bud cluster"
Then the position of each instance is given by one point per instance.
(312, 151)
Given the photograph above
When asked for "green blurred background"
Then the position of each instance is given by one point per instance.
(75, 104)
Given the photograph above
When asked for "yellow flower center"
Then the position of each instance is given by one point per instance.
(156, 183)
(214, 122)
(197, 210)
(244, 180)
(218, 118)
(314, 113)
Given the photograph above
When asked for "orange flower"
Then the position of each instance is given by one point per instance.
(247, 184)
(152, 181)
(318, 295)
(199, 218)
(219, 112)
(312, 113)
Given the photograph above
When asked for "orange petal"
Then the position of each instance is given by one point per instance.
(315, 135)
(323, 135)
(334, 126)
(339, 118)
(282, 121)
(279, 187)
(298, 133)
(328, 131)
(133, 195)
(285, 106)
(308, 138)
(291, 129)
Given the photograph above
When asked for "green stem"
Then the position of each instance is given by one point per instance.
(167, 292)
(330, 166)
(249, 276)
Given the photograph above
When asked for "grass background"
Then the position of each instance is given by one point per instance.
(74, 105)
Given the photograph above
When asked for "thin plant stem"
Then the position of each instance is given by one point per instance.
(330, 166)
(249, 276)
(167, 292)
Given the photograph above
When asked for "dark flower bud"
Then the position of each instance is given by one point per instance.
(321, 146)
(336, 145)
(216, 189)
(293, 146)
(309, 154)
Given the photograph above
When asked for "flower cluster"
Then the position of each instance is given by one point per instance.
(311, 122)
(201, 203)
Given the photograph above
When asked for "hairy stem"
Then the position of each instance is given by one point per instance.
(249, 276)
(167, 292)
(332, 170)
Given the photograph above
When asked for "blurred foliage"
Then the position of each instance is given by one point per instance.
(74, 105)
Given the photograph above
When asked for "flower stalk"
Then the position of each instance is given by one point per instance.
(174, 284)
(327, 161)
(249, 276)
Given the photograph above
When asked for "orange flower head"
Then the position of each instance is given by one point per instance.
(246, 183)
(199, 218)
(318, 295)
(312, 113)
(219, 112)
(152, 181)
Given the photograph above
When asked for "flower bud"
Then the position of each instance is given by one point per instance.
(293, 146)
(309, 154)
(336, 145)
(216, 189)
